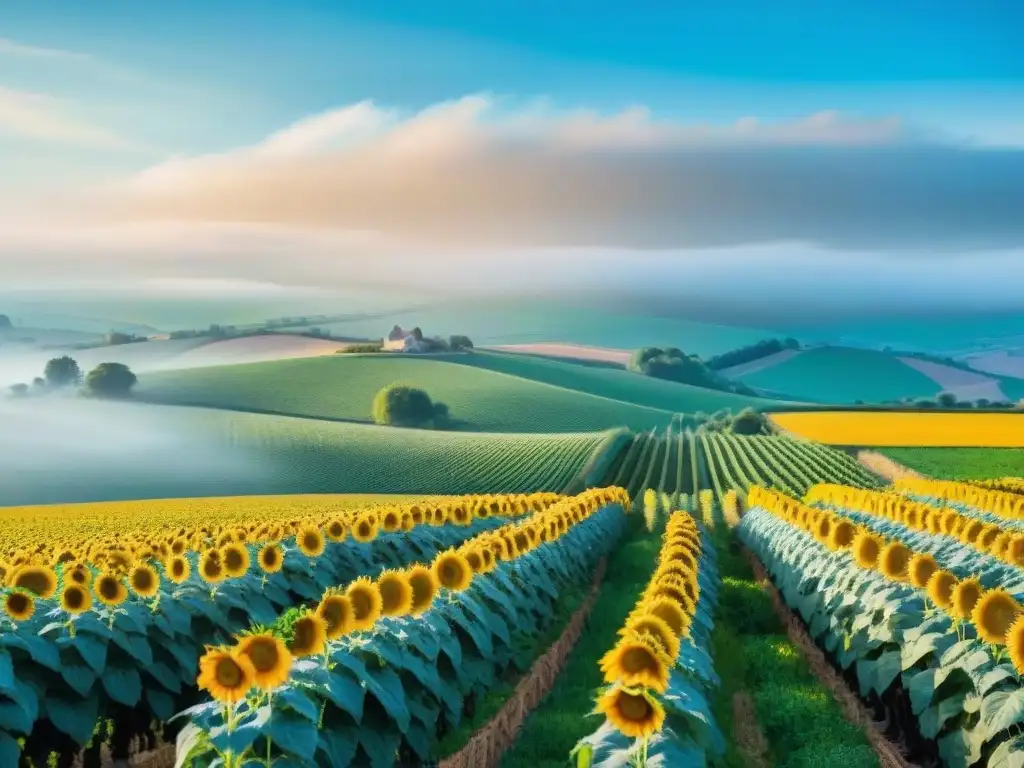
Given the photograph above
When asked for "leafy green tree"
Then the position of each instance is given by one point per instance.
(401, 405)
(946, 400)
(19, 390)
(459, 342)
(110, 380)
(62, 372)
(748, 422)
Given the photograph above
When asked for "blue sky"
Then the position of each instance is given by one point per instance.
(94, 94)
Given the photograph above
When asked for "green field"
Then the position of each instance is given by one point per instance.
(843, 375)
(132, 451)
(961, 463)
(343, 386)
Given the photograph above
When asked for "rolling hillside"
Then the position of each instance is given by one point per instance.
(65, 451)
(485, 392)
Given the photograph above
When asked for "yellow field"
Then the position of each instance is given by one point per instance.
(939, 430)
(46, 523)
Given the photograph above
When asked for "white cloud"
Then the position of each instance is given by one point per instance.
(38, 117)
(12, 48)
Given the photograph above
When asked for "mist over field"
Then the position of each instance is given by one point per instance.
(62, 449)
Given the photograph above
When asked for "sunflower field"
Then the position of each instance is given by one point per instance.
(101, 635)
(917, 596)
(660, 675)
(375, 671)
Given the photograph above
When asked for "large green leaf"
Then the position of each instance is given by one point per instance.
(6, 672)
(122, 684)
(19, 708)
(1002, 709)
(9, 749)
(74, 716)
(292, 733)
(386, 686)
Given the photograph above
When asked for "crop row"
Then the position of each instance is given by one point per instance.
(121, 639)
(901, 612)
(660, 676)
(308, 691)
(998, 502)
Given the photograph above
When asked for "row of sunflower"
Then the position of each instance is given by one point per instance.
(998, 502)
(379, 670)
(103, 639)
(660, 676)
(991, 538)
(1006, 484)
(904, 609)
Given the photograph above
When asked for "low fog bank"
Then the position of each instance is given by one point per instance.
(67, 449)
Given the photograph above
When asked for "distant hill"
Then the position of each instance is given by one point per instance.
(485, 391)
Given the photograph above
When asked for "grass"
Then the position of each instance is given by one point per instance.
(93, 451)
(962, 463)
(843, 375)
(802, 723)
(342, 387)
(553, 729)
(907, 428)
(531, 649)
(613, 383)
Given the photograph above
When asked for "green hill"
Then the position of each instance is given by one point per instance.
(82, 450)
(843, 375)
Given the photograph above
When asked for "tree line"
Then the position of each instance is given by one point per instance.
(107, 380)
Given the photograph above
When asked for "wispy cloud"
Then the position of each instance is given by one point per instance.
(12, 48)
(42, 118)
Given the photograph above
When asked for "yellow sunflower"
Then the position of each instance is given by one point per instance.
(75, 599)
(1015, 550)
(366, 527)
(145, 580)
(940, 589)
(866, 548)
(225, 674)
(38, 579)
(894, 561)
(1015, 644)
(366, 603)
(921, 568)
(655, 627)
(452, 571)
(310, 541)
(271, 558)
(336, 530)
(19, 605)
(965, 596)
(994, 614)
(309, 636)
(395, 593)
(841, 535)
(633, 712)
(109, 589)
(671, 613)
(236, 560)
(637, 660)
(178, 569)
(270, 659)
(424, 586)
(211, 568)
(336, 610)
(78, 573)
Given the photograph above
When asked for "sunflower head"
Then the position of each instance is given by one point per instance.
(310, 541)
(424, 586)
(670, 612)
(656, 629)
(395, 593)
(632, 711)
(270, 557)
(236, 560)
(940, 587)
(866, 548)
(178, 569)
(842, 535)
(77, 573)
(367, 603)
(19, 605)
(110, 590)
(1015, 644)
(921, 568)
(308, 635)
(211, 567)
(966, 594)
(366, 527)
(637, 660)
(226, 675)
(336, 610)
(75, 599)
(452, 570)
(271, 660)
(971, 531)
(144, 579)
(894, 561)
(38, 579)
(993, 615)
